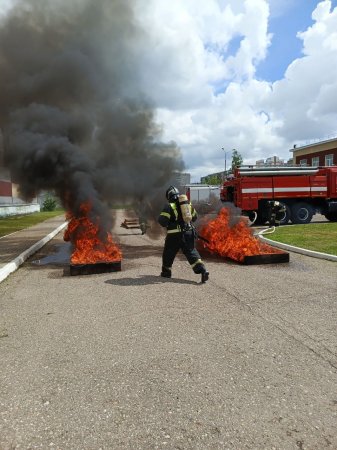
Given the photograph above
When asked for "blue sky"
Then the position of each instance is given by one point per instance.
(285, 45)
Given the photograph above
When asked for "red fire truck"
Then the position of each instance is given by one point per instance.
(303, 190)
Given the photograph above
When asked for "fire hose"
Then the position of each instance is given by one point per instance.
(267, 231)
(197, 235)
(253, 221)
(202, 238)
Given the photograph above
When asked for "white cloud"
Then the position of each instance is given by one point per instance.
(188, 44)
(306, 98)
(208, 99)
(205, 90)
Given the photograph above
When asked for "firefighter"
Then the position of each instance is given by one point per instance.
(176, 217)
(276, 213)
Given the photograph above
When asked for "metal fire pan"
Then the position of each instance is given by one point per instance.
(272, 258)
(130, 223)
(90, 269)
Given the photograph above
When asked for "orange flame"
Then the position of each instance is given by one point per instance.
(89, 248)
(234, 242)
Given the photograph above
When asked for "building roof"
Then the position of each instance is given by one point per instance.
(332, 141)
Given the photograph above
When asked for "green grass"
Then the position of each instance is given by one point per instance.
(320, 237)
(15, 223)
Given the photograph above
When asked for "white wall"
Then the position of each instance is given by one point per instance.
(18, 209)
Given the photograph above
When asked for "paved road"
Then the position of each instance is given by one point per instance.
(128, 360)
(16, 247)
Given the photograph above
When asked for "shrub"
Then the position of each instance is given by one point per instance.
(49, 204)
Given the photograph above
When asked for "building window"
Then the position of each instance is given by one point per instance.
(329, 160)
(303, 162)
(315, 161)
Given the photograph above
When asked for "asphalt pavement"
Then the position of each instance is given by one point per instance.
(128, 360)
(16, 247)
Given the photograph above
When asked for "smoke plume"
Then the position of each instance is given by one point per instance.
(72, 113)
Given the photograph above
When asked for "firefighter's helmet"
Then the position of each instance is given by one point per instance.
(172, 194)
(276, 203)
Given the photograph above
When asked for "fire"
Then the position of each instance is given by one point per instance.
(89, 247)
(235, 241)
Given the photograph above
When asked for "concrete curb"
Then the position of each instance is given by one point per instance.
(291, 248)
(16, 263)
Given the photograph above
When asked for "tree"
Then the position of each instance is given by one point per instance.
(236, 159)
(213, 179)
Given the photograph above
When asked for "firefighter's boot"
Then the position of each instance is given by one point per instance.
(204, 276)
(200, 268)
(165, 272)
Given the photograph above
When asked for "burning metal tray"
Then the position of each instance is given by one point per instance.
(267, 258)
(90, 269)
(130, 223)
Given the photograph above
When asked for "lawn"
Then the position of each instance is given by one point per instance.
(320, 237)
(15, 223)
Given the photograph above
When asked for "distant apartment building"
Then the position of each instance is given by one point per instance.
(183, 179)
(270, 161)
(180, 179)
(260, 162)
(273, 161)
(323, 153)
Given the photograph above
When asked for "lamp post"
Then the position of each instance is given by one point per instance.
(225, 160)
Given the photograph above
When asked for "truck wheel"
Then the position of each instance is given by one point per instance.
(284, 219)
(332, 216)
(301, 213)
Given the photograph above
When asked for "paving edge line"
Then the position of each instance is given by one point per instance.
(16, 263)
(291, 248)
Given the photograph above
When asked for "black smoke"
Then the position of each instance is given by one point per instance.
(72, 112)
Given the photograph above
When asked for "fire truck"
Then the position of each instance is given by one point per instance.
(304, 191)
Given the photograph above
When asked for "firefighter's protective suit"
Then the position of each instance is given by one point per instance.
(276, 213)
(180, 236)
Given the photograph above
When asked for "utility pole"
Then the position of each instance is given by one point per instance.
(225, 160)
